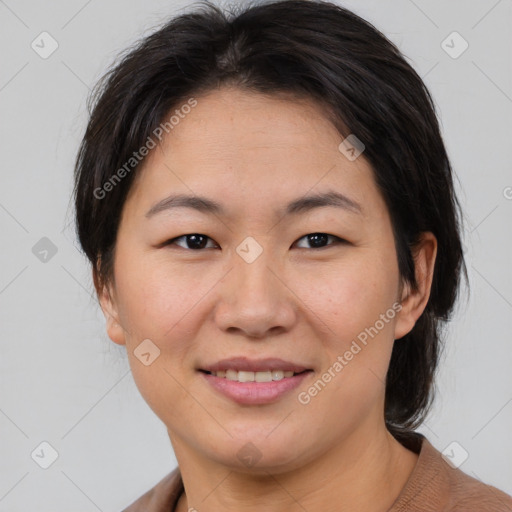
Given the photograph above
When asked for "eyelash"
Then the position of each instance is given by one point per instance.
(337, 240)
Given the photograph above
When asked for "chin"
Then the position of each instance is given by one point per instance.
(261, 454)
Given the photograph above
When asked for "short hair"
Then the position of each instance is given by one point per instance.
(303, 49)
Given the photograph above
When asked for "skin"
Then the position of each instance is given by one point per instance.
(254, 154)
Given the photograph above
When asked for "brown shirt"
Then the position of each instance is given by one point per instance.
(433, 486)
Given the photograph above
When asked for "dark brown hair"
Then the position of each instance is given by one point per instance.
(302, 48)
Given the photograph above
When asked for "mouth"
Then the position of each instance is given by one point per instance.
(254, 382)
(262, 376)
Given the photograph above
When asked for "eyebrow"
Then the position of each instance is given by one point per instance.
(297, 206)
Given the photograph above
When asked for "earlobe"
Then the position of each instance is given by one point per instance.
(414, 299)
(109, 307)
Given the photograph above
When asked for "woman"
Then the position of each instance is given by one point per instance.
(268, 208)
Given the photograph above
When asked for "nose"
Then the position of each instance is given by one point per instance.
(255, 300)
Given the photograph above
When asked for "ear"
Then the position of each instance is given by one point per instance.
(109, 307)
(414, 300)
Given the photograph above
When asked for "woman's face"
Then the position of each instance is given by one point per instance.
(254, 292)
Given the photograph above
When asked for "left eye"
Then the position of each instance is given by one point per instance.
(319, 240)
(197, 241)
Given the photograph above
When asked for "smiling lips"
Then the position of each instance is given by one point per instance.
(241, 369)
(254, 381)
(254, 365)
(242, 376)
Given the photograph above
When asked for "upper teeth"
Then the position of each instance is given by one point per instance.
(266, 376)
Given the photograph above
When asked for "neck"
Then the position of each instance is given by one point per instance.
(363, 472)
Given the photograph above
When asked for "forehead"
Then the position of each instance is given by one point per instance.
(252, 148)
(229, 120)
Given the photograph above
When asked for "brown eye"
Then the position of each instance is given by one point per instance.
(319, 240)
(193, 241)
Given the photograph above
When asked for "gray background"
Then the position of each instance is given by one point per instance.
(64, 382)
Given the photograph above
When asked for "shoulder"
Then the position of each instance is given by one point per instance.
(468, 493)
(436, 486)
(160, 498)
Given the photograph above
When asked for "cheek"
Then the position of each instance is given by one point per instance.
(158, 298)
(161, 303)
(356, 304)
(350, 296)
(355, 301)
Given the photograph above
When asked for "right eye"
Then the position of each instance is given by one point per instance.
(193, 241)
